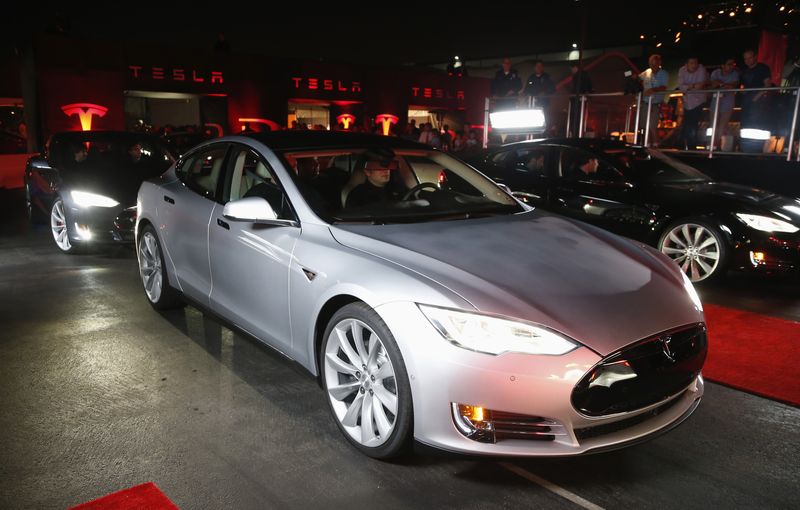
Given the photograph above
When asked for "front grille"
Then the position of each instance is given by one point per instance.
(521, 426)
(610, 428)
(643, 374)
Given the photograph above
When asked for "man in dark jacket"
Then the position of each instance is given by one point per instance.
(506, 86)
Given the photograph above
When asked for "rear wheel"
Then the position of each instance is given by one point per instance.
(152, 269)
(366, 382)
(698, 247)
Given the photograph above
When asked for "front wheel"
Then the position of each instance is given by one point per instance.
(698, 247)
(60, 227)
(366, 382)
(153, 272)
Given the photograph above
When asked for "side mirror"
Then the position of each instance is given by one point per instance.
(253, 210)
(503, 187)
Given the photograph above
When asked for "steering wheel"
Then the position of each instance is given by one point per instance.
(419, 187)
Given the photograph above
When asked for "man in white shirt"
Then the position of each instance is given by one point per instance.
(692, 78)
(654, 83)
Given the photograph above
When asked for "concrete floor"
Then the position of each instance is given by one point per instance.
(98, 392)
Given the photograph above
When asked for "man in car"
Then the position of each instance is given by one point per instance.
(585, 166)
(378, 187)
(135, 152)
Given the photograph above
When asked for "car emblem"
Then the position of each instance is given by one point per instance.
(666, 349)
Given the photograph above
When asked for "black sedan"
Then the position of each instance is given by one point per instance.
(707, 227)
(85, 185)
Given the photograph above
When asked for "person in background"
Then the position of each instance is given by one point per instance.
(539, 84)
(725, 77)
(654, 82)
(506, 85)
(459, 144)
(581, 84)
(447, 138)
(426, 134)
(692, 77)
(754, 75)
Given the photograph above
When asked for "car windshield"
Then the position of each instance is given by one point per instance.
(87, 152)
(380, 185)
(651, 165)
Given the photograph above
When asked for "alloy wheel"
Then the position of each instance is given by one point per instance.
(58, 224)
(361, 383)
(150, 266)
(694, 248)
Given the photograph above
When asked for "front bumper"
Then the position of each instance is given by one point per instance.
(101, 225)
(537, 386)
(780, 253)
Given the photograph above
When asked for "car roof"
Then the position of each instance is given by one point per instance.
(311, 139)
(592, 144)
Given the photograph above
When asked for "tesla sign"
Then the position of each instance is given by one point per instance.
(85, 112)
(176, 74)
(312, 84)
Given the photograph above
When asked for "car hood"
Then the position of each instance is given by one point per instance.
(122, 186)
(598, 288)
(733, 194)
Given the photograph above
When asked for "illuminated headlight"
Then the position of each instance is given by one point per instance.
(687, 285)
(84, 199)
(767, 224)
(517, 119)
(493, 335)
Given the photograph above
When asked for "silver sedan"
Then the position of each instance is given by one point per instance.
(429, 303)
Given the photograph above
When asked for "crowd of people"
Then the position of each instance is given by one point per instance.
(693, 79)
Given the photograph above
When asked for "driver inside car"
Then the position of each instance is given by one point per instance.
(378, 188)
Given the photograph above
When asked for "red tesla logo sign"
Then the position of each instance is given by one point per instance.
(345, 119)
(386, 120)
(175, 74)
(431, 93)
(85, 112)
(322, 84)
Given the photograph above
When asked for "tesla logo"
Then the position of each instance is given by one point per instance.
(345, 119)
(386, 120)
(322, 84)
(431, 93)
(175, 74)
(666, 348)
(85, 112)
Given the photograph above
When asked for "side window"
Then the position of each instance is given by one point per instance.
(501, 158)
(536, 161)
(580, 165)
(202, 170)
(250, 176)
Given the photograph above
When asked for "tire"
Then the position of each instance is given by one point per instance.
(59, 227)
(368, 380)
(153, 272)
(699, 248)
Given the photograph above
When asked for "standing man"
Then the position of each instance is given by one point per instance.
(692, 77)
(539, 84)
(581, 84)
(726, 77)
(654, 82)
(506, 86)
(754, 75)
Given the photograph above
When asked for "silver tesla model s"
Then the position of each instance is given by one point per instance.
(429, 302)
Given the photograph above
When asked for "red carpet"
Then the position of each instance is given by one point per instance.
(754, 353)
(145, 496)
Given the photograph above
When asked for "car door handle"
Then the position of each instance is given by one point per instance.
(223, 224)
(169, 199)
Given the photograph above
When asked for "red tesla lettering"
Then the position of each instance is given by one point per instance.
(328, 84)
(216, 76)
(313, 84)
(427, 92)
(197, 78)
(415, 91)
(158, 73)
(356, 86)
(460, 94)
(135, 70)
(178, 75)
(439, 93)
(341, 89)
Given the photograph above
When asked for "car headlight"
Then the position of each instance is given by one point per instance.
(493, 335)
(85, 199)
(767, 224)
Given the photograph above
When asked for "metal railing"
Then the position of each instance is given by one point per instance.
(617, 105)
